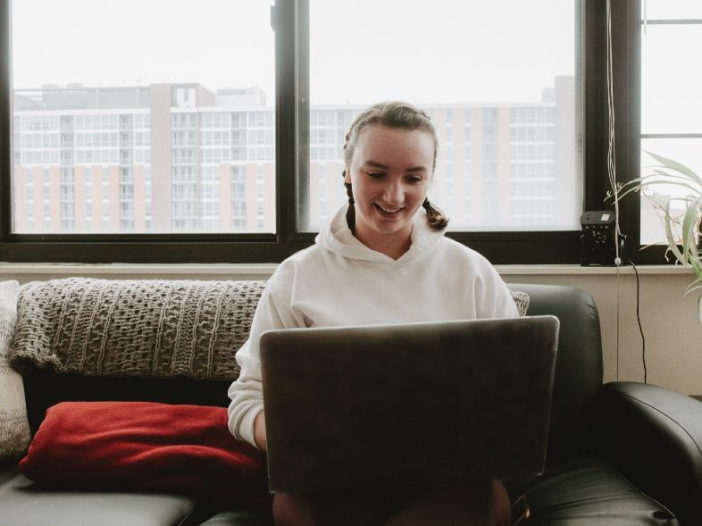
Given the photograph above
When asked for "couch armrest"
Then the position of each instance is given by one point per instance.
(653, 435)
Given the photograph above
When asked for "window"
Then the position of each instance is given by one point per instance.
(122, 103)
(671, 99)
(153, 141)
(453, 61)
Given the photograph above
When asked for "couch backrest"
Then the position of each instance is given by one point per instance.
(578, 365)
(578, 371)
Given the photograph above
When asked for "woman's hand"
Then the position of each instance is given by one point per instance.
(260, 432)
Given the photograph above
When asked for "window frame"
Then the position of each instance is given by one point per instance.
(290, 20)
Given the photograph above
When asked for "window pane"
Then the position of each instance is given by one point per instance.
(671, 103)
(133, 117)
(501, 91)
(686, 151)
(665, 9)
(671, 99)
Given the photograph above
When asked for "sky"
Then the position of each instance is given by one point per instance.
(361, 51)
(220, 43)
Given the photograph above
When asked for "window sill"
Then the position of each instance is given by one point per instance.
(574, 269)
(263, 270)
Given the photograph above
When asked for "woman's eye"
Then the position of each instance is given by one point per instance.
(375, 175)
(414, 180)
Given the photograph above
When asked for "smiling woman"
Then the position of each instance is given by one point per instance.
(388, 173)
(388, 192)
(380, 259)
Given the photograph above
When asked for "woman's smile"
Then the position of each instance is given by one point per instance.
(388, 212)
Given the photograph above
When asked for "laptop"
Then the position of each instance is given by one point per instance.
(385, 405)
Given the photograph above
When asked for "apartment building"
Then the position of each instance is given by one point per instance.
(184, 158)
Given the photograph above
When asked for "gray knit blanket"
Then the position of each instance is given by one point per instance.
(134, 328)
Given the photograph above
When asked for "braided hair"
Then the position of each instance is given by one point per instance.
(397, 115)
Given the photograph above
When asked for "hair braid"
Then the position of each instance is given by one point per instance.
(435, 217)
(351, 212)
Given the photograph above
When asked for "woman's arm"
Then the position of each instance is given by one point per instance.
(260, 432)
(274, 311)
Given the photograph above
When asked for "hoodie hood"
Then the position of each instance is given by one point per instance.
(337, 237)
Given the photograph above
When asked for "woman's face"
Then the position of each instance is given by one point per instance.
(390, 173)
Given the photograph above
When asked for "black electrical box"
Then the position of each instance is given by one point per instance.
(599, 237)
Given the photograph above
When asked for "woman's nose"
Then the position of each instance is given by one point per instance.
(394, 193)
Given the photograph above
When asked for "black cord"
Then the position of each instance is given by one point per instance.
(638, 317)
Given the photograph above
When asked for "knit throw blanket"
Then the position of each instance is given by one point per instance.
(135, 328)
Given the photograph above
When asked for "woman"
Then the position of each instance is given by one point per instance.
(381, 259)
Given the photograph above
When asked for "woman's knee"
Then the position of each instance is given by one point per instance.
(500, 506)
(290, 509)
(484, 503)
(489, 502)
(335, 508)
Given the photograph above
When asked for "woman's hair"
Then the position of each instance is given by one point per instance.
(397, 115)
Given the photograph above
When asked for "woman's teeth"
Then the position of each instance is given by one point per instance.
(390, 211)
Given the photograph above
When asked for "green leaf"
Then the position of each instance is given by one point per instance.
(670, 238)
(692, 288)
(673, 178)
(676, 166)
(688, 229)
(649, 181)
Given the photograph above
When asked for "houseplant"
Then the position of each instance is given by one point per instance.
(680, 216)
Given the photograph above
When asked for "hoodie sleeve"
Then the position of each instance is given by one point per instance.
(504, 302)
(273, 311)
(495, 299)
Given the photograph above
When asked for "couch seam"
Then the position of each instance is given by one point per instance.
(638, 490)
(185, 519)
(666, 416)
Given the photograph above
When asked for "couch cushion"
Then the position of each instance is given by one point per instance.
(183, 449)
(24, 503)
(521, 301)
(135, 328)
(587, 492)
(238, 518)
(14, 428)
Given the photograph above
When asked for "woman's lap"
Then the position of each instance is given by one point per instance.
(481, 502)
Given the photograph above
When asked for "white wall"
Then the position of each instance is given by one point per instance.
(670, 323)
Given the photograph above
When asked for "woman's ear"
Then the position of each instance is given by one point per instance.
(347, 176)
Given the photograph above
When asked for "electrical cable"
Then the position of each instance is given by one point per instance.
(611, 147)
(612, 172)
(617, 324)
(638, 317)
(612, 164)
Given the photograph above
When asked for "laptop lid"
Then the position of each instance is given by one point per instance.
(409, 403)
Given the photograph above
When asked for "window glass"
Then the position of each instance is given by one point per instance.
(143, 117)
(676, 9)
(671, 105)
(684, 150)
(670, 89)
(498, 79)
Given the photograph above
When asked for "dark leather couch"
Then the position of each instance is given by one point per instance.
(619, 454)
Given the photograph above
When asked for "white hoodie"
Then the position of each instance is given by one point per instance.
(340, 281)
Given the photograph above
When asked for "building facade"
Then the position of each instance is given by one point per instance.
(175, 158)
